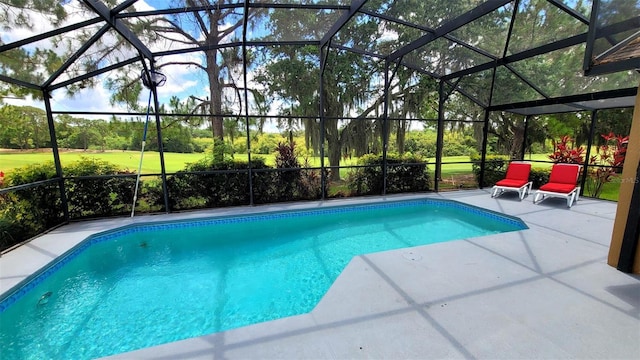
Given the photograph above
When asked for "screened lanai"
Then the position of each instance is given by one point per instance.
(378, 97)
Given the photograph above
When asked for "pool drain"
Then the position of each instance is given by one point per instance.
(410, 255)
(44, 298)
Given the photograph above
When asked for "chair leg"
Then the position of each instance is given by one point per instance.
(535, 197)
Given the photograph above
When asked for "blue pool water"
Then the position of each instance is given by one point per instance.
(144, 286)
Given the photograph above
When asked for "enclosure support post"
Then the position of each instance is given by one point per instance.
(591, 36)
(485, 129)
(385, 126)
(483, 157)
(56, 154)
(163, 170)
(523, 150)
(323, 175)
(246, 100)
(439, 137)
(585, 168)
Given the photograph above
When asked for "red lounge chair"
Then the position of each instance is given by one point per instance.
(516, 179)
(562, 183)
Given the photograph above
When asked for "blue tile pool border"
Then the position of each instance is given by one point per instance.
(19, 290)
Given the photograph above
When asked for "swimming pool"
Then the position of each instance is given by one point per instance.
(102, 297)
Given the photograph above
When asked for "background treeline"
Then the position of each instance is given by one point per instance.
(26, 128)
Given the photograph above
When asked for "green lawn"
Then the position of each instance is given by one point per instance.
(124, 159)
(128, 159)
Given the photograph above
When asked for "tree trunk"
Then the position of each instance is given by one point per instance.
(360, 137)
(335, 147)
(401, 135)
(215, 104)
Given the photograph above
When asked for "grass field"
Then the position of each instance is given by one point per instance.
(174, 162)
(10, 160)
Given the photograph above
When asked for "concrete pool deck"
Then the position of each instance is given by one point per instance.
(545, 292)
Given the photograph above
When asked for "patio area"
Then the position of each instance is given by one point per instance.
(545, 292)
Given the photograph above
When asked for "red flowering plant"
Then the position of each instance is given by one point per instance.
(564, 152)
(607, 162)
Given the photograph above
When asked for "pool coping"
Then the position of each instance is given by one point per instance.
(545, 292)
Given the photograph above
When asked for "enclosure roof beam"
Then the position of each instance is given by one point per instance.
(471, 15)
(429, 30)
(560, 44)
(76, 55)
(189, 9)
(357, 51)
(179, 10)
(570, 11)
(101, 9)
(232, 45)
(49, 34)
(121, 7)
(25, 84)
(419, 69)
(628, 24)
(523, 78)
(567, 100)
(355, 6)
(465, 93)
(93, 73)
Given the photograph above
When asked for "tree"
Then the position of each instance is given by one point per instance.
(23, 127)
(206, 29)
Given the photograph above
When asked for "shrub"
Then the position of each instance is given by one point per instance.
(209, 184)
(289, 174)
(539, 177)
(564, 152)
(404, 174)
(290, 181)
(495, 168)
(94, 197)
(25, 213)
(608, 161)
